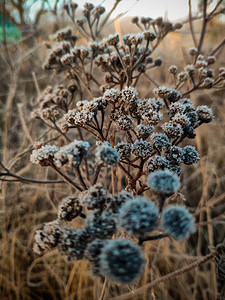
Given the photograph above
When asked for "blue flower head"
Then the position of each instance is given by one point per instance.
(163, 182)
(138, 216)
(177, 221)
(121, 260)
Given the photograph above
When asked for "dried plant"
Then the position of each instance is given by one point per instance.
(121, 154)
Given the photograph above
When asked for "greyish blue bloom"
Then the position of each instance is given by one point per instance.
(177, 221)
(163, 182)
(105, 153)
(121, 260)
(138, 216)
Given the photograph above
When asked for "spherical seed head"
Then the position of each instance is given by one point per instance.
(160, 141)
(124, 150)
(141, 148)
(100, 225)
(144, 131)
(121, 261)
(190, 155)
(106, 154)
(47, 238)
(157, 163)
(94, 198)
(138, 217)
(163, 182)
(177, 221)
(125, 122)
(69, 209)
(44, 156)
(73, 243)
(114, 204)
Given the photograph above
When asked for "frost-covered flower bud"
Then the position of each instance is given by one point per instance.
(157, 163)
(124, 150)
(173, 69)
(121, 261)
(172, 129)
(141, 148)
(163, 182)
(44, 156)
(113, 39)
(205, 113)
(106, 154)
(92, 253)
(174, 153)
(73, 243)
(193, 51)
(190, 155)
(125, 122)
(112, 95)
(160, 141)
(94, 198)
(118, 200)
(138, 217)
(144, 131)
(47, 238)
(177, 221)
(100, 225)
(69, 209)
(149, 35)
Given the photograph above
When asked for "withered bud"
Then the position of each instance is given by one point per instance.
(37, 145)
(88, 6)
(100, 10)
(178, 25)
(134, 20)
(173, 69)
(73, 5)
(108, 78)
(211, 59)
(72, 88)
(66, 7)
(149, 60)
(158, 20)
(65, 127)
(193, 51)
(149, 36)
(158, 62)
(80, 22)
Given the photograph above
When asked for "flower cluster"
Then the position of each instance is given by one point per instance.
(135, 136)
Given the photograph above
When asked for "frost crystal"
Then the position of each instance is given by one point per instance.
(177, 221)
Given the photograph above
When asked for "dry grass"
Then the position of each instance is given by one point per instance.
(24, 207)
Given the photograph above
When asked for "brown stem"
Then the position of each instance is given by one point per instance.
(67, 179)
(169, 276)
